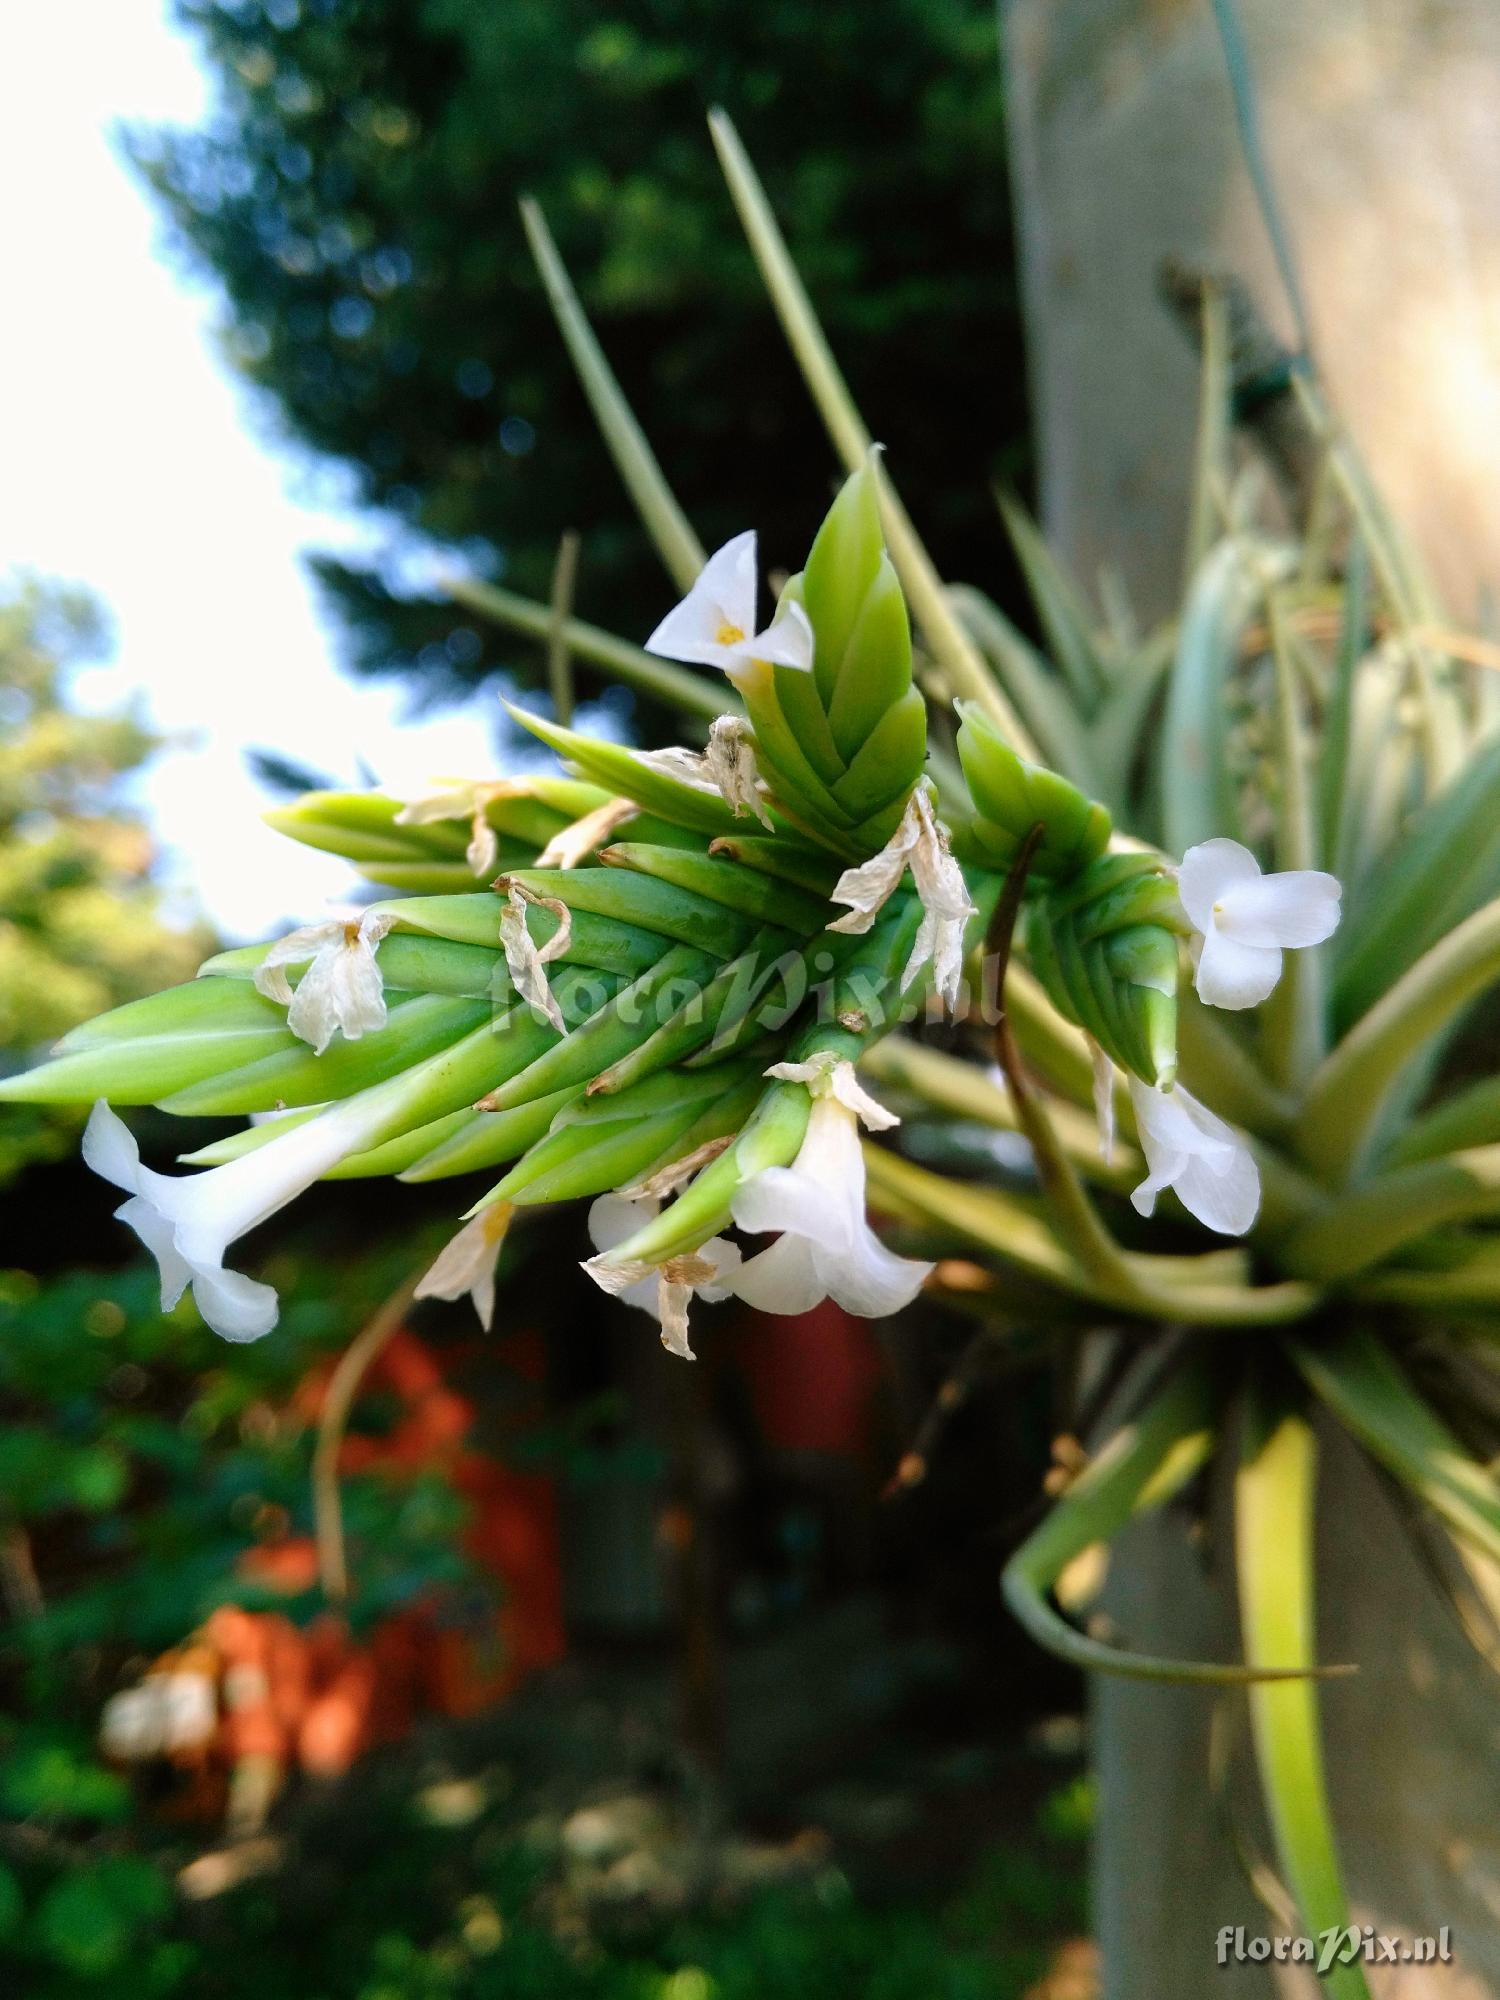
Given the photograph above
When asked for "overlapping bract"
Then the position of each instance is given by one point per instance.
(841, 747)
(1105, 945)
(587, 1029)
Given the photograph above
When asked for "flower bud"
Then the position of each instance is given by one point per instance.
(1011, 797)
(841, 747)
(1105, 947)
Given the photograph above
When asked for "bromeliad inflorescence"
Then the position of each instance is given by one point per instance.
(668, 987)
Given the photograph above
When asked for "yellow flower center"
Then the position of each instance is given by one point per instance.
(729, 635)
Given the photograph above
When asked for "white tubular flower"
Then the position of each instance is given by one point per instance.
(1248, 919)
(663, 1290)
(921, 842)
(827, 1248)
(341, 990)
(467, 1263)
(726, 768)
(524, 960)
(574, 843)
(1187, 1148)
(714, 626)
(188, 1221)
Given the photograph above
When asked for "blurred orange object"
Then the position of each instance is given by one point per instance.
(279, 1697)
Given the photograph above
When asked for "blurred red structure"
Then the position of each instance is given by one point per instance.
(314, 1697)
(812, 1379)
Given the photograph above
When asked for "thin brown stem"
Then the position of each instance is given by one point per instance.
(333, 1420)
(20, 1585)
(953, 1392)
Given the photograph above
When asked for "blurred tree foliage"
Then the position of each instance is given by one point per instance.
(355, 193)
(81, 918)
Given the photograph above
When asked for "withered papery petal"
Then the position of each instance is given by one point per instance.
(524, 959)
(341, 990)
(828, 1075)
(676, 1174)
(467, 1262)
(573, 844)
(730, 764)
(1104, 1098)
(269, 977)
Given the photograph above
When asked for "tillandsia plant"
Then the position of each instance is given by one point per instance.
(672, 982)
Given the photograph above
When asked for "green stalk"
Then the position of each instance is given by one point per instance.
(1011, 1228)
(1273, 1507)
(1061, 612)
(1031, 684)
(1293, 1022)
(559, 660)
(1081, 1225)
(949, 643)
(1468, 1283)
(1338, 714)
(1470, 1117)
(1216, 1066)
(1211, 455)
(693, 694)
(1007, 1226)
(1198, 797)
(676, 544)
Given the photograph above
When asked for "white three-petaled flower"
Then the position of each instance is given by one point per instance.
(827, 1248)
(467, 1262)
(341, 989)
(1248, 919)
(188, 1221)
(663, 1290)
(714, 625)
(1188, 1149)
(921, 842)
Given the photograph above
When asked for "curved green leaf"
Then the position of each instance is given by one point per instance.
(1273, 1513)
(1361, 1382)
(1142, 1465)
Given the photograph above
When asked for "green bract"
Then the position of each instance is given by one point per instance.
(841, 747)
(1104, 944)
(1011, 797)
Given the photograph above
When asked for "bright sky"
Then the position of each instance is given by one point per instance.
(127, 464)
